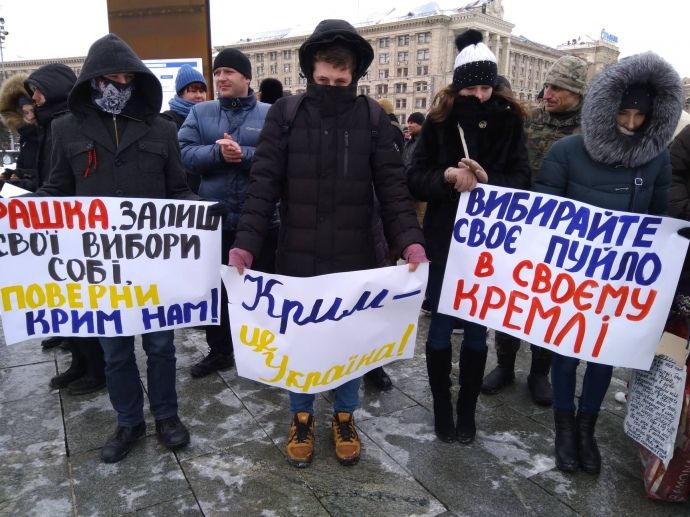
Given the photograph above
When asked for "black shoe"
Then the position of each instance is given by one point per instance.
(540, 389)
(51, 342)
(379, 378)
(121, 442)
(85, 385)
(498, 379)
(212, 363)
(66, 377)
(565, 441)
(588, 451)
(172, 432)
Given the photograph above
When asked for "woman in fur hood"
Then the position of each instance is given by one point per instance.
(17, 113)
(619, 162)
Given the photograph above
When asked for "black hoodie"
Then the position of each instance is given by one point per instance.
(55, 82)
(144, 159)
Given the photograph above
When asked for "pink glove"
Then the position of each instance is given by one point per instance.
(414, 254)
(240, 259)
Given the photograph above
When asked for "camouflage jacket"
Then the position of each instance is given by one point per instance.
(542, 129)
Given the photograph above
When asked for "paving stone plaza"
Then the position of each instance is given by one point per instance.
(235, 464)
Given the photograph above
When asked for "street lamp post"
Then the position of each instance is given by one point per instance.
(3, 33)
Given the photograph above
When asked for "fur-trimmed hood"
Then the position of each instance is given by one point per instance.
(602, 139)
(12, 89)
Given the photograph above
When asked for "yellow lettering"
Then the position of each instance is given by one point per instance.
(54, 295)
(74, 296)
(281, 368)
(95, 293)
(385, 352)
(18, 293)
(403, 341)
(143, 297)
(35, 297)
(124, 296)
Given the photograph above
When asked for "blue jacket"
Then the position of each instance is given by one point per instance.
(242, 118)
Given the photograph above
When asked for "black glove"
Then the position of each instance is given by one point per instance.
(2, 183)
(684, 232)
(220, 208)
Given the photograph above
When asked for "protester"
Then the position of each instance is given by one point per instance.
(399, 138)
(679, 202)
(191, 89)
(414, 128)
(619, 162)
(270, 90)
(322, 233)
(557, 117)
(114, 143)
(492, 126)
(17, 113)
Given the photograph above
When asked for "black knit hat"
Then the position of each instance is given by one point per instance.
(637, 96)
(475, 64)
(416, 117)
(233, 58)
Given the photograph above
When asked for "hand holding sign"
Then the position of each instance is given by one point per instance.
(240, 259)
(462, 178)
(414, 254)
(477, 170)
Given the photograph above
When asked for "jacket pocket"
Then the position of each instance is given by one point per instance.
(78, 156)
(152, 155)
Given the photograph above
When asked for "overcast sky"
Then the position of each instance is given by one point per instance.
(63, 28)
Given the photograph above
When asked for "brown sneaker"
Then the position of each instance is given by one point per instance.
(300, 446)
(347, 444)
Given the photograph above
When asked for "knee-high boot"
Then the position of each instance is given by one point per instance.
(94, 377)
(507, 347)
(588, 451)
(566, 440)
(472, 365)
(438, 365)
(538, 378)
(76, 369)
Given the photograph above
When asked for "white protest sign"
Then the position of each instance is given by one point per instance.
(570, 277)
(9, 190)
(313, 334)
(655, 400)
(106, 266)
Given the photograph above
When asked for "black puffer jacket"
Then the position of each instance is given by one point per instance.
(133, 154)
(324, 172)
(494, 135)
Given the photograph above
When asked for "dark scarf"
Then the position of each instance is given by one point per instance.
(110, 96)
(180, 106)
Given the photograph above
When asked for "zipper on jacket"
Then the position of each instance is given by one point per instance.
(117, 137)
(347, 150)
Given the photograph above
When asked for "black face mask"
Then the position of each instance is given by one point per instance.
(110, 96)
(331, 97)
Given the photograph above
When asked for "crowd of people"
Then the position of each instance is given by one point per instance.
(330, 181)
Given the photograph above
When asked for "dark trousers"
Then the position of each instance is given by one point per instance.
(594, 385)
(218, 337)
(122, 376)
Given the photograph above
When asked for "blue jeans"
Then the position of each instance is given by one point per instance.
(122, 376)
(441, 326)
(346, 399)
(594, 385)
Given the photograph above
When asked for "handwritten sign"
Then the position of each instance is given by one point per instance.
(655, 401)
(573, 278)
(106, 266)
(313, 334)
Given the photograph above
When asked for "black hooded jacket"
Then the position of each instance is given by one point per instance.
(55, 81)
(322, 171)
(133, 154)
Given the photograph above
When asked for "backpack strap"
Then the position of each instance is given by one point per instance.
(290, 107)
(374, 117)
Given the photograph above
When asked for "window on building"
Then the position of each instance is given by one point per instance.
(383, 73)
(301, 79)
(404, 40)
(272, 56)
(401, 103)
(364, 90)
(381, 89)
(421, 86)
(287, 81)
(272, 69)
(260, 70)
(401, 118)
(420, 103)
(400, 87)
(287, 54)
(287, 68)
(423, 70)
(424, 37)
(423, 54)
(383, 58)
(402, 57)
(384, 42)
(365, 77)
(259, 58)
(401, 72)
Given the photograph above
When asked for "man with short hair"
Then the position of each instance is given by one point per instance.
(556, 117)
(217, 141)
(414, 128)
(324, 170)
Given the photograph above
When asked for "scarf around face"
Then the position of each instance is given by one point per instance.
(110, 96)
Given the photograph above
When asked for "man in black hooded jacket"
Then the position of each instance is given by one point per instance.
(113, 143)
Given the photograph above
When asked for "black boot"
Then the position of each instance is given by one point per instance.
(379, 379)
(121, 442)
(52, 342)
(538, 378)
(213, 362)
(504, 374)
(76, 369)
(94, 377)
(588, 451)
(472, 365)
(566, 440)
(438, 367)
